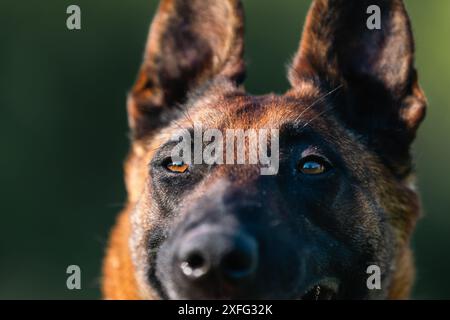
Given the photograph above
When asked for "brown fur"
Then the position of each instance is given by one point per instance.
(218, 52)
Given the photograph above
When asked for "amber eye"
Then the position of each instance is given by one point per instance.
(177, 166)
(313, 165)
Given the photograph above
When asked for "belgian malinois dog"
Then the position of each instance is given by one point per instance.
(343, 198)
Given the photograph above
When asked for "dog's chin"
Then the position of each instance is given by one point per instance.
(327, 289)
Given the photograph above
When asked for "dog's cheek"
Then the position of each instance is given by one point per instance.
(144, 223)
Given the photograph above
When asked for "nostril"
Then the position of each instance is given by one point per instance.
(236, 265)
(211, 255)
(195, 260)
(240, 262)
(194, 265)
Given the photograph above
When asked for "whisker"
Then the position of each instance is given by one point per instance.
(317, 116)
(322, 112)
(185, 113)
(318, 100)
(178, 125)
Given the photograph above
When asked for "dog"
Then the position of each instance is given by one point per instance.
(344, 197)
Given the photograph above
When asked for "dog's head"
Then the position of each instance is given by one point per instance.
(343, 194)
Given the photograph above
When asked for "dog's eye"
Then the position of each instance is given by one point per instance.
(313, 165)
(176, 166)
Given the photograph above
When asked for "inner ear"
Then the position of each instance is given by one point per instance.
(190, 42)
(381, 97)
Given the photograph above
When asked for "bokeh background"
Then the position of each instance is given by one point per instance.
(63, 133)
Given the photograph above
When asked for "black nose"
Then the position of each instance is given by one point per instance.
(217, 255)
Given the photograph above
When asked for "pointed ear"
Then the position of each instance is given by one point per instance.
(382, 98)
(190, 42)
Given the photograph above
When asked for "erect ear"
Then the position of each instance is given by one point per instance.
(381, 97)
(190, 42)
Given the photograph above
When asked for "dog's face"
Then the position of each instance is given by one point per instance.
(342, 197)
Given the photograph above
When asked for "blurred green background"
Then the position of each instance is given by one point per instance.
(63, 132)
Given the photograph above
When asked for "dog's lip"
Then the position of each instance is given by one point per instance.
(325, 289)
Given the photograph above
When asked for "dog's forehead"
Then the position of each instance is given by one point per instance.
(223, 108)
(237, 110)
